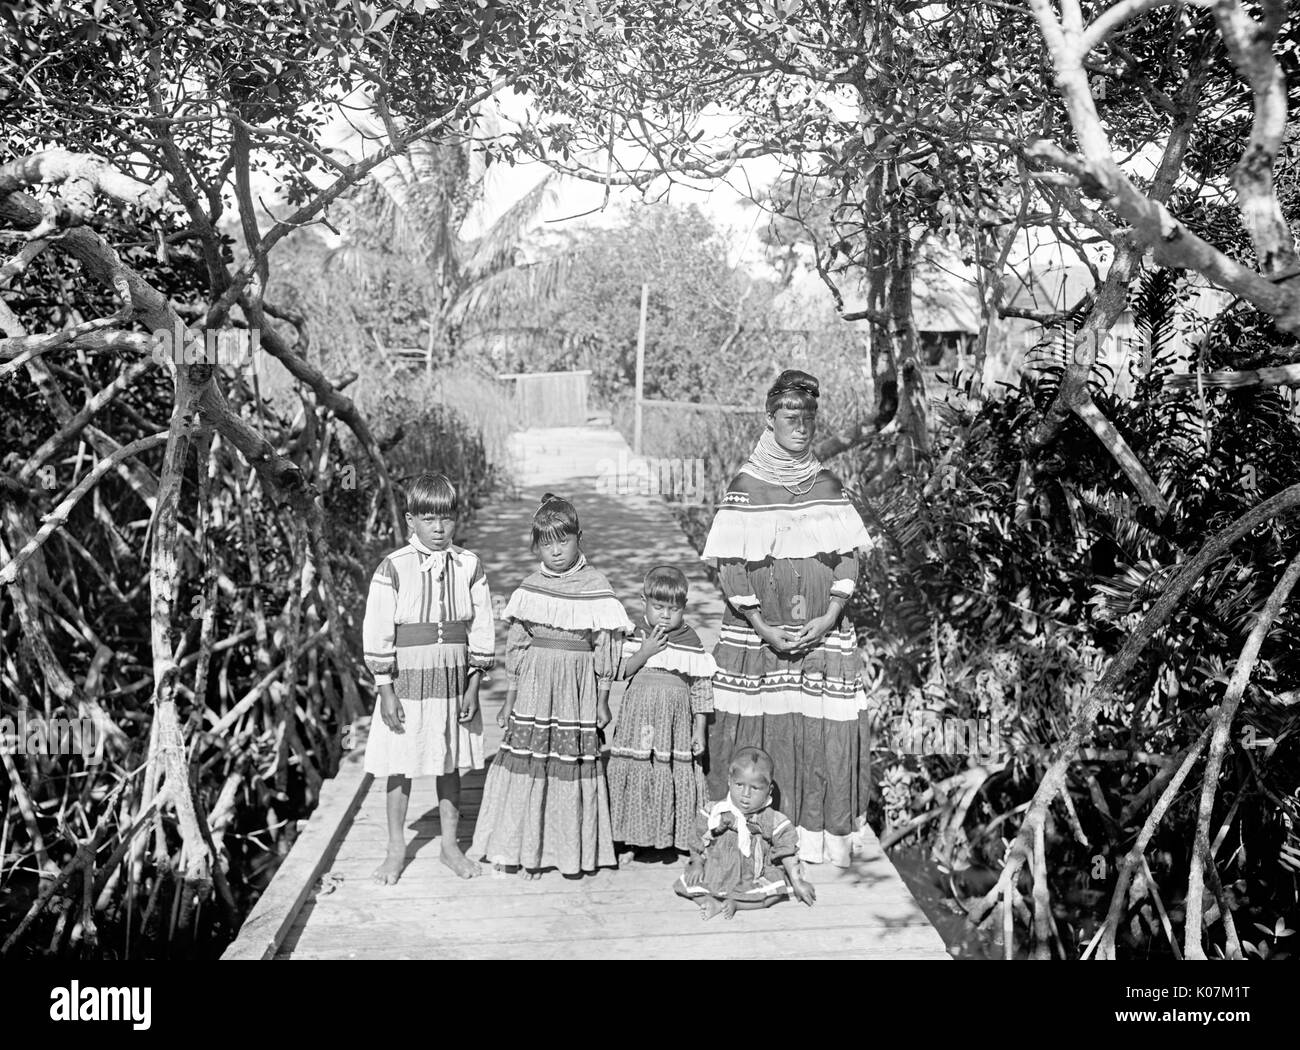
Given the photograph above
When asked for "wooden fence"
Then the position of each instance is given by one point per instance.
(551, 399)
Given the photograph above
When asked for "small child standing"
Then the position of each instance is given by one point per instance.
(656, 784)
(739, 843)
(545, 803)
(428, 639)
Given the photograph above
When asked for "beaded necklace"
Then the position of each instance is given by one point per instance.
(581, 563)
(771, 463)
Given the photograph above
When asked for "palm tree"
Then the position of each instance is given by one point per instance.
(407, 220)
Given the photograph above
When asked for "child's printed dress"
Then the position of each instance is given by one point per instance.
(428, 621)
(741, 865)
(655, 783)
(545, 803)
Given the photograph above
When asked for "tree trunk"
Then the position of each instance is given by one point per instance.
(895, 363)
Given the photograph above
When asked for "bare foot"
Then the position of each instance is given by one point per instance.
(711, 907)
(626, 857)
(729, 910)
(453, 858)
(530, 874)
(391, 870)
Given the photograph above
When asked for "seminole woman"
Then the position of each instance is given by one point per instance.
(786, 542)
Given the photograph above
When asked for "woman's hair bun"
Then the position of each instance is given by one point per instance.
(794, 379)
(551, 497)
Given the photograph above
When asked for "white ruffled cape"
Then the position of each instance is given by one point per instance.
(694, 662)
(570, 612)
(786, 530)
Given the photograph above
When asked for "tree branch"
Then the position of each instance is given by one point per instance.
(82, 177)
(9, 572)
(1116, 672)
(1250, 45)
(1222, 726)
(353, 174)
(1100, 176)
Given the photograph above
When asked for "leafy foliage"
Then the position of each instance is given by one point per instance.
(971, 614)
(233, 101)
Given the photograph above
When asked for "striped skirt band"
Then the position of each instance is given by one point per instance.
(573, 645)
(445, 632)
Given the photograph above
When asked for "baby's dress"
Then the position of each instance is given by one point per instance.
(729, 874)
(545, 803)
(655, 784)
(428, 620)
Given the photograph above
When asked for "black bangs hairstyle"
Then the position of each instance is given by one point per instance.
(666, 584)
(553, 520)
(754, 758)
(793, 389)
(432, 493)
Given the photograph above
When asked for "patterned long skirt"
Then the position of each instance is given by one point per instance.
(810, 715)
(656, 786)
(430, 682)
(545, 804)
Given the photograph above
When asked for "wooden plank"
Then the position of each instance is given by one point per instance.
(359, 858)
(530, 375)
(741, 938)
(427, 879)
(349, 866)
(276, 910)
(890, 952)
(626, 911)
(624, 890)
(426, 800)
(420, 814)
(702, 406)
(369, 834)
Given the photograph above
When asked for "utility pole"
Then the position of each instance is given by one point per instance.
(640, 372)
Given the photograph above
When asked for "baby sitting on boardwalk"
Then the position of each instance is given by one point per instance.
(742, 846)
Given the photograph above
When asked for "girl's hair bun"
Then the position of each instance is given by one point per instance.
(555, 517)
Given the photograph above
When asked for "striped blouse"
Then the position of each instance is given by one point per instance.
(782, 553)
(417, 585)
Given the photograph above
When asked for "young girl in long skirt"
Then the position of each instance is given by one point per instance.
(545, 803)
(656, 782)
(428, 639)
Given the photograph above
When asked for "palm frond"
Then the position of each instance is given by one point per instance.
(412, 206)
(358, 262)
(1117, 596)
(1155, 309)
(516, 292)
(1120, 513)
(496, 249)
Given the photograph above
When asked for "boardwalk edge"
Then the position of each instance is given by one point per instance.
(267, 925)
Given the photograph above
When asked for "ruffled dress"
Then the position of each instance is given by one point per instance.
(730, 874)
(787, 554)
(545, 802)
(428, 621)
(655, 784)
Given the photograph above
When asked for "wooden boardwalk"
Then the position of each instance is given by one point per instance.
(322, 904)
